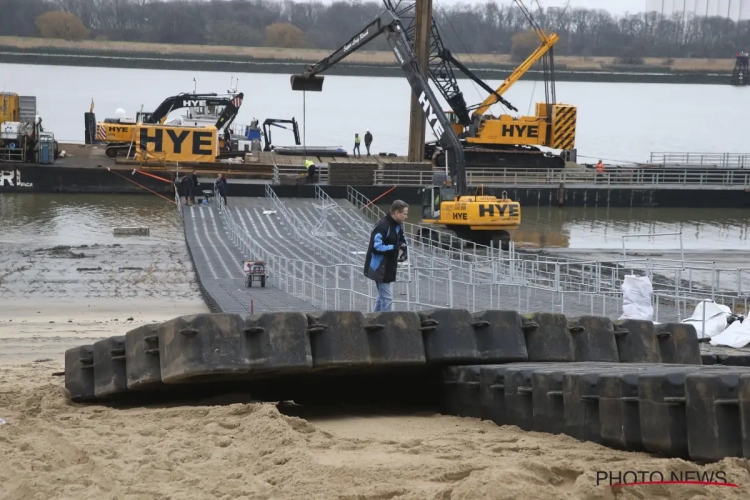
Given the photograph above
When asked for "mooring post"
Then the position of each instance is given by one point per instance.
(417, 121)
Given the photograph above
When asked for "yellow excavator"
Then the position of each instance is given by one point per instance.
(503, 141)
(447, 202)
(119, 134)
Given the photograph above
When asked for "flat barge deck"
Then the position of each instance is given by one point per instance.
(85, 169)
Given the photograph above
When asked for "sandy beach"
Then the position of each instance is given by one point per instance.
(56, 449)
(53, 298)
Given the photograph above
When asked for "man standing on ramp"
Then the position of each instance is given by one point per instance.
(386, 249)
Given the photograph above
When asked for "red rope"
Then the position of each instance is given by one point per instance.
(376, 199)
(142, 186)
(154, 176)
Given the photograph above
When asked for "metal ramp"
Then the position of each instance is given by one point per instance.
(218, 264)
(315, 248)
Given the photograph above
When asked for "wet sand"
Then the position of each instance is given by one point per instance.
(56, 297)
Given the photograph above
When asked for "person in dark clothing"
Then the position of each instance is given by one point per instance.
(386, 249)
(196, 185)
(186, 183)
(368, 141)
(221, 186)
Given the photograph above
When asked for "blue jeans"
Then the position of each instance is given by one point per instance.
(385, 297)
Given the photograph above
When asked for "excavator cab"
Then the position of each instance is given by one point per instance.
(434, 195)
(145, 117)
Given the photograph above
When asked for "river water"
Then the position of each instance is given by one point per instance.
(622, 122)
(618, 122)
(581, 228)
(78, 219)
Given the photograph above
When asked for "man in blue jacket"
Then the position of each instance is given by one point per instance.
(387, 248)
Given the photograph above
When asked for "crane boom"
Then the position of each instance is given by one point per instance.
(390, 24)
(547, 42)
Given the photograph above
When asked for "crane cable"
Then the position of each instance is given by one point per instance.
(455, 32)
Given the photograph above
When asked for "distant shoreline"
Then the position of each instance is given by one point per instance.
(90, 53)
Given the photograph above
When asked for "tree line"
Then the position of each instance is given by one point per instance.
(474, 28)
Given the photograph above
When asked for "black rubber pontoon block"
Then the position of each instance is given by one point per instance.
(547, 395)
(619, 406)
(277, 342)
(619, 414)
(338, 339)
(459, 393)
(637, 342)
(519, 403)
(203, 347)
(678, 343)
(547, 337)
(733, 359)
(394, 338)
(492, 382)
(714, 421)
(581, 400)
(499, 336)
(744, 397)
(449, 390)
(661, 395)
(110, 377)
(709, 359)
(594, 339)
(142, 365)
(448, 336)
(79, 373)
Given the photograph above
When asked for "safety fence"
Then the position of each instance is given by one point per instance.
(435, 278)
(15, 154)
(728, 160)
(618, 177)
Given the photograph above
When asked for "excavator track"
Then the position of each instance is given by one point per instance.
(115, 150)
(499, 158)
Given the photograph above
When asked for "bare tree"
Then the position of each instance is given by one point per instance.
(481, 27)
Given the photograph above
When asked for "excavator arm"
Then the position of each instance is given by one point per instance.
(390, 24)
(231, 108)
(194, 100)
(274, 122)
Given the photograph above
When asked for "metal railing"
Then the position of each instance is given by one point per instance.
(15, 155)
(621, 177)
(443, 242)
(526, 283)
(729, 160)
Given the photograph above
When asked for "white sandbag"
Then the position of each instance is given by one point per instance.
(636, 298)
(716, 316)
(737, 335)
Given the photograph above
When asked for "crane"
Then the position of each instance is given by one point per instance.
(503, 141)
(447, 202)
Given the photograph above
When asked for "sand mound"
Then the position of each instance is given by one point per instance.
(53, 448)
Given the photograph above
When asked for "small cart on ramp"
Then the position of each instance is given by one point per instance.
(255, 270)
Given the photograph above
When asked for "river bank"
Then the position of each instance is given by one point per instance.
(66, 280)
(20, 50)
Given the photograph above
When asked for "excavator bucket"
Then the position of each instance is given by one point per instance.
(307, 83)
